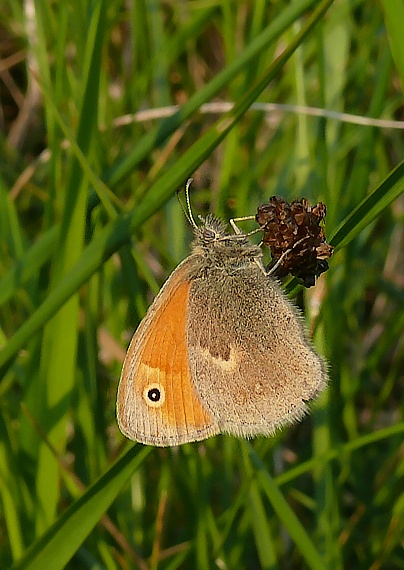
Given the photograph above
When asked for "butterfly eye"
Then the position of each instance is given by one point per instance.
(208, 235)
(154, 395)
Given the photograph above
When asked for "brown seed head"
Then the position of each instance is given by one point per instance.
(294, 235)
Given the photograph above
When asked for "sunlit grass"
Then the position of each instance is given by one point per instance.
(90, 227)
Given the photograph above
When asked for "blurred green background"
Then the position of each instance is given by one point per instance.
(90, 227)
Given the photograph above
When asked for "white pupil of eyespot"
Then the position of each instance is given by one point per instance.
(154, 395)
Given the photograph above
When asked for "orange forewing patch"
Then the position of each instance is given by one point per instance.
(163, 359)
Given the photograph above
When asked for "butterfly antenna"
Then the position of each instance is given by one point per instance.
(187, 210)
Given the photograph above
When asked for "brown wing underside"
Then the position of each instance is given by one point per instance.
(249, 354)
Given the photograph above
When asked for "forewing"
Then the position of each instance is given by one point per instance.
(157, 402)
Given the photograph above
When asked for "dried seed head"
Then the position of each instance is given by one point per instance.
(293, 232)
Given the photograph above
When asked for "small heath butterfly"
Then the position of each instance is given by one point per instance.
(220, 350)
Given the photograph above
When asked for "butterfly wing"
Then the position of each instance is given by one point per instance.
(251, 361)
(157, 403)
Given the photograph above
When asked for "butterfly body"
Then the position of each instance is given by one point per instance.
(220, 350)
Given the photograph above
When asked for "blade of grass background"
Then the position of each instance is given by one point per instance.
(203, 546)
(359, 177)
(334, 45)
(302, 146)
(285, 514)
(58, 355)
(11, 234)
(240, 546)
(28, 264)
(233, 507)
(394, 16)
(217, 553)
(259, 520)
(11, 491)
(160, 47)
(328, 424)
(88, 413)
(118, 231)
(191, 29)
(58, 544)
(105, 195)
(159, 134)
(262, 532)
(338, 451)
(369, 208)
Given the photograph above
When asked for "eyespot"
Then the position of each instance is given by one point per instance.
(154, 395)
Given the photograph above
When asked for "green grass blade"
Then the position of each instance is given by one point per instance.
(59, 346)
(56, 547)
(260, 520)
(370, 207)
(394, 15)
(72, 86)
(158, 135)
(28, 264)
(284, 512)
